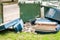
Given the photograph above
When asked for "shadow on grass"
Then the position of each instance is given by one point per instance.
(40, 32)
(6, 31)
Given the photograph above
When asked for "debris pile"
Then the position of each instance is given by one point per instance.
(28, 28)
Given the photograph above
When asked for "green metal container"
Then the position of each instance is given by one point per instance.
(29, 11)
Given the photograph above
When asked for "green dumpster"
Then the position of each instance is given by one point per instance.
(29, 11)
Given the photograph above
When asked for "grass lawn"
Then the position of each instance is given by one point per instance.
(11, 35)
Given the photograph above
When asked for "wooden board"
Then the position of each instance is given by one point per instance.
(43, 24)
(46, 26)
(10, 12)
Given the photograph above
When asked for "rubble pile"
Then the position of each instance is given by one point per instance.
(29, 28)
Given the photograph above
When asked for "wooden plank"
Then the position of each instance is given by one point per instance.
(47, 27)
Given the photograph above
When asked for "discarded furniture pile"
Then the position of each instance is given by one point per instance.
(28, 16)
(38, 17)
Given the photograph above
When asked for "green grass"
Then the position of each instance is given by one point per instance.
(11, 35)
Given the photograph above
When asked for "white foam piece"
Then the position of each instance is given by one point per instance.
(29, 1)
(45, 22)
